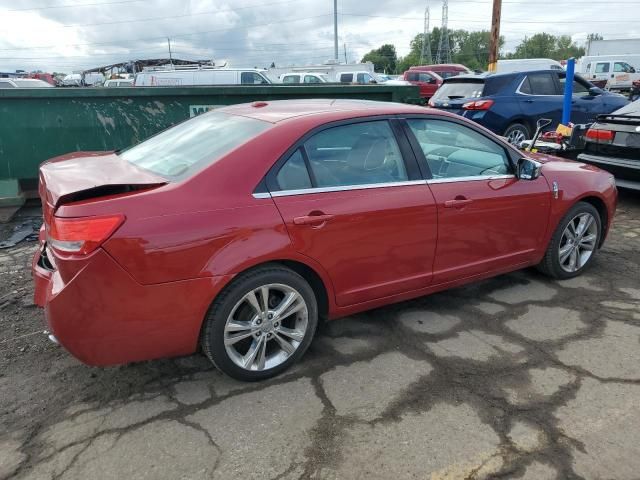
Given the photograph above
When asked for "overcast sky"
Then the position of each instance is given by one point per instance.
(66, 35)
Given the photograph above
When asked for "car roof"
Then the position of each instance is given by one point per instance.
(484, 75)
(281, 110)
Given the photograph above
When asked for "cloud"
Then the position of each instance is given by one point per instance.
(252, 33)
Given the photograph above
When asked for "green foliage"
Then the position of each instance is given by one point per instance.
(545, 45)
(594, 36)
(468, 48)
(384, 59)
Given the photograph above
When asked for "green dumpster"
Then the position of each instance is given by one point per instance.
(37, 124)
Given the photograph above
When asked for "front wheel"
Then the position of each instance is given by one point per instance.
(574, 242)
(261, 324)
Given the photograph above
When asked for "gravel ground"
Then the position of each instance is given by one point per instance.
(515, 377)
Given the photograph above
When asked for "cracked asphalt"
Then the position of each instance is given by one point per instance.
(515, 377)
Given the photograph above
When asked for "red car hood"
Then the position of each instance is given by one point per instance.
(83, 171)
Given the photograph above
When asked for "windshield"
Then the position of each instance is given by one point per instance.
(192, 145)
(456, 90)
(324, 77)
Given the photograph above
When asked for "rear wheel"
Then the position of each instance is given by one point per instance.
(516, 133)
(261, 324)
(574, 243)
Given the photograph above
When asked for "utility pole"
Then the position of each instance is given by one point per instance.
(335, 29)
(345, 53)
(494, 43)
(170, 57)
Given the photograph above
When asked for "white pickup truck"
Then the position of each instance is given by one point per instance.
(615, 74)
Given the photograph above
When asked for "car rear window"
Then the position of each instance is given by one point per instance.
(453, 90)
(181, 151)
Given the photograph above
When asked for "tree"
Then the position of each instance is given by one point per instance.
(594, 36)
(384, 59)
(468, 48)
(545, 45)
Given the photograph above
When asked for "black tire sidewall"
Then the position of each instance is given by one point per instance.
(213, 334)
(581, 207)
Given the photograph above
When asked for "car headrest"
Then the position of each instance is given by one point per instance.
(368, 153)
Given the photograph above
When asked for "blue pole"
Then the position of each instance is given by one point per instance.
(568, 91)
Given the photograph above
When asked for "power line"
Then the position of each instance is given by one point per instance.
(171, 17)
(484, 22)
(74, 5)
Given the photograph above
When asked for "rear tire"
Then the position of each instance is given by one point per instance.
(516, 133)
(260, 324)
(574, 243)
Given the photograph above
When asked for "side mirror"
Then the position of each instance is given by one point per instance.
(528, 169)
(593, 91)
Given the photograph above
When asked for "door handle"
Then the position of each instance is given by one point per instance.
(528, 100)
(458, 202)
(312, 219)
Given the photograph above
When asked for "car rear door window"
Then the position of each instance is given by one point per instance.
(356, 154)
(311, 79)
(452, 150)
(291, 79)
(294, 174)
(602, 67)
(539, 84)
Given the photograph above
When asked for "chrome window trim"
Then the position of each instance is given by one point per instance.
(261, 195)
(345, 188)
(469, 179)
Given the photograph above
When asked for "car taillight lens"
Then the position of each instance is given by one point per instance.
(478, 105)
(600, 136)
(81, 235)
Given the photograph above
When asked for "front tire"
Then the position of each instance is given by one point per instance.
(261, 324)
(574, 242)
(516, 133)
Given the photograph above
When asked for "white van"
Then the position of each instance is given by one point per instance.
(527, 65)
(199, 75)
(304, 77)
(615, 70)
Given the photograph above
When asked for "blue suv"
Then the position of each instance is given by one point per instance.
(510, 104)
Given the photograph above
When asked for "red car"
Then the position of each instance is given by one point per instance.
(428, 82)
(445, 70)
(240, 229)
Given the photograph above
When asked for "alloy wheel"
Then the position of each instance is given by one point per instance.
(578, 242)
(516, 137)
(266, 327)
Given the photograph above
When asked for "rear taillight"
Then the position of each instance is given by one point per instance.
(600, 136)
(81, 235)
(478, 105)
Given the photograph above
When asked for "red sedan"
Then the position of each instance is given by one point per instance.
(240, 229)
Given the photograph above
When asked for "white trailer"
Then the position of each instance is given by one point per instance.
(332, 70)
(623, 46)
